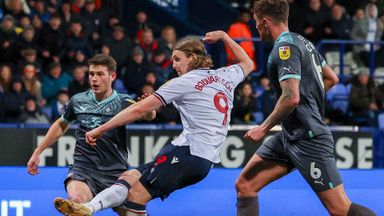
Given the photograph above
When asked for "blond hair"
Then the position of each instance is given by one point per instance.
(191, 46)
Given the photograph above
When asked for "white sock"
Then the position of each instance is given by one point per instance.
(108, 198)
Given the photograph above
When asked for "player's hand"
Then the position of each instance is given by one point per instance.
(92, 136)
(214, 36)
(33, 163)
(255, 134)
(142, 97)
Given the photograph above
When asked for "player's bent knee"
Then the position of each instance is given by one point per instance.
(131, 176)
(244, 188)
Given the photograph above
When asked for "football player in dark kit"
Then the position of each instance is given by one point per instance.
(94, 168)
(300, 77)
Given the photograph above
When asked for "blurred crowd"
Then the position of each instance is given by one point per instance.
(45, 46)
(358, 99)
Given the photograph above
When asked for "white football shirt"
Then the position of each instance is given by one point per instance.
(204, 98)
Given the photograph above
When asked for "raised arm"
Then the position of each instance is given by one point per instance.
(244, 61)
(58, 128)
(289, 99)
(128, 115)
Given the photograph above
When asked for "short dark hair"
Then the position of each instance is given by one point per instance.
(104, 60)
(278, 10)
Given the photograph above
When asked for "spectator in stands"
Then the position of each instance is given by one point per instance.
(37, 23)
(167, 40)
(105, 50)
(368, 29)
(138, 27)
(244, 105)
(267, 97)
(161, 66)
(32, 83)
(147, 88)
(24, 22)
(32, 114)
(135, 71)
(53, 6)
(316, 20)
(5, 78)
(296, 18)
(79, 82)
(16, 8)
(151, 79)
(112, 21)
(66, 15)
(29, 57)
(149, 44)
(59, 106)
(14, 100)
(93, 23)
(328, 6)
(77, 6)
(365, 99)
(340, 25)
(77, 41)
(79, 61)
(112, 7)
(239, 3)
(52, 40)
(40, 10)
(8, 40)
(241, 29)
(120, 47)
(54, 82)
(28, 40)
(358, 15)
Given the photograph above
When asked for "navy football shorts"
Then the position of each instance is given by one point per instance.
(173, 168)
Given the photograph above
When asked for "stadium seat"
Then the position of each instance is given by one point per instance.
(333, 60)
(380, 120)
(379, 76)
(258, 117)
(338, 98)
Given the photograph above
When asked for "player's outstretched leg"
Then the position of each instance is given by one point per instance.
(110, 197)
(71, 208)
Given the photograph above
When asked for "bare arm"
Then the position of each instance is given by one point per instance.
(289, 99)
(126, 116)
(330, 78)
(287, 102)
(244, 61)
(150, 115)
(58, 128)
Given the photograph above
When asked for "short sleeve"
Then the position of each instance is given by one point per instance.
(69, 113)
(235, 74)
(171, 90)
(288, 61)
(321, 59)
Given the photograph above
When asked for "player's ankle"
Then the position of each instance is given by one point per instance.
(90, 207)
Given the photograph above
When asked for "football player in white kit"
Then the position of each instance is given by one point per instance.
(204, 98)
